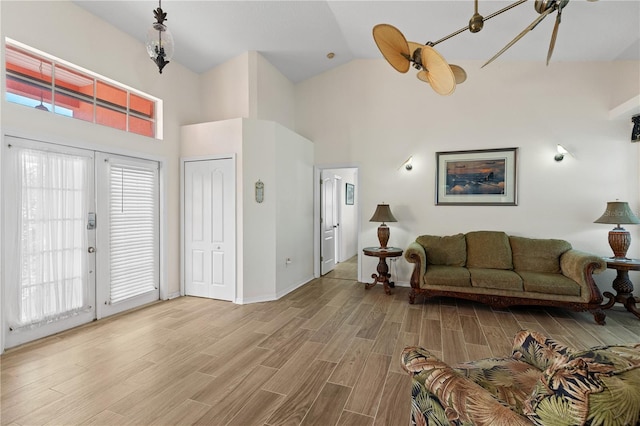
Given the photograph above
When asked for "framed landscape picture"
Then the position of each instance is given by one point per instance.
(349, 194)
(477, 177)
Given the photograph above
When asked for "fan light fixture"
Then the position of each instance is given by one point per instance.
(159, 39)
(433, 69)
(41, 106)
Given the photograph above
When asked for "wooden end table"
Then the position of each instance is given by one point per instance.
(622, 284)
(383, 274)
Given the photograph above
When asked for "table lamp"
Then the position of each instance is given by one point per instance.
(383, 214)
(619, 212)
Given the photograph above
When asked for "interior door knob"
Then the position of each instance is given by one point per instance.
(91, 250)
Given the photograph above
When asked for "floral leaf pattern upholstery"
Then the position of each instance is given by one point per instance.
(542, 383)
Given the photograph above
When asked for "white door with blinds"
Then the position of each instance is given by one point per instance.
(73, 254)
(127, 233)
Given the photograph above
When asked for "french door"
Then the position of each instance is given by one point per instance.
(73, 254)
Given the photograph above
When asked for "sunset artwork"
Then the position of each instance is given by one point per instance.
(471, 177)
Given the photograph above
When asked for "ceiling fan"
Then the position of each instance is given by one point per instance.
(433, 68)
(544, 8)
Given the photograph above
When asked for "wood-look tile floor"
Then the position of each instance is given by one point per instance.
(326, 354)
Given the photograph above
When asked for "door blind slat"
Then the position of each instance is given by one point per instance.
(133, 218)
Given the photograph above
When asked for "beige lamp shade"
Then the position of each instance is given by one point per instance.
(617, 213)
(383, 214)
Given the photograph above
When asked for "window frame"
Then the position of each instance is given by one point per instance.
(156, 120)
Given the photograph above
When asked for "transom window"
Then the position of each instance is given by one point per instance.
(49, 84)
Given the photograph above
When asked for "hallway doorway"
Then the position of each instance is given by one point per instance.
(347, 270)
(336, 218)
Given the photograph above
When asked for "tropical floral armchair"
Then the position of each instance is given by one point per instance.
(542, 383)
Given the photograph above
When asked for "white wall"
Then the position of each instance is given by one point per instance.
(294, 210)
(364, 112)
(247, 86)
(64, 30)
(274, 94)
(225, 90)
(280, 226)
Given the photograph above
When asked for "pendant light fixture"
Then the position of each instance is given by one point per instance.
(159, 40)
(41, 106)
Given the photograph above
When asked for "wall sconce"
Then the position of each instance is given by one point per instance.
(635, 133)
(562, 151)
(407, 163)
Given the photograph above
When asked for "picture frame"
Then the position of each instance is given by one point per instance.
(349, 194)
(483, 177)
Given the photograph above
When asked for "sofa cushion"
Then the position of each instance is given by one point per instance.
(454, 276)
(488, 249)
(537, 255)
(449, 250)
(495, 278)
(544, 283)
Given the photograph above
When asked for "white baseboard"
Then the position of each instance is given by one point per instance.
(174, 295)
(272, 297)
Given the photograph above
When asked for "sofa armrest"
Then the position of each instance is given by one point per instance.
(464, 401)
(416, 254)
(580, 267)
(538, 350)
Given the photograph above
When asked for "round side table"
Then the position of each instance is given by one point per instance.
(622, 284)
(383, 274)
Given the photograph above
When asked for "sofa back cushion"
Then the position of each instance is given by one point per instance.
(537, 255)
(450, 250)
(488, 249)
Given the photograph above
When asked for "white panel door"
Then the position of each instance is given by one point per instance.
(209, 228)
(328, 223)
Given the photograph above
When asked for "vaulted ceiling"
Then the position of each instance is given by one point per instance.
(296, 36)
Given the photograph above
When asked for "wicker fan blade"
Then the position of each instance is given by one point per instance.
(393, 46)
(439, 74)
(554, 35)
(519, 36)
(459, 74)
(422, 76)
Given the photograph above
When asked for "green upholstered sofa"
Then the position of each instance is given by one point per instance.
(541, 383)
(501, 270)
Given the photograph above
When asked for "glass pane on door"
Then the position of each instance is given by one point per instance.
(47, 225)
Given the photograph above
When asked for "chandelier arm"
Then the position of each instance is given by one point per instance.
(461, 30)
